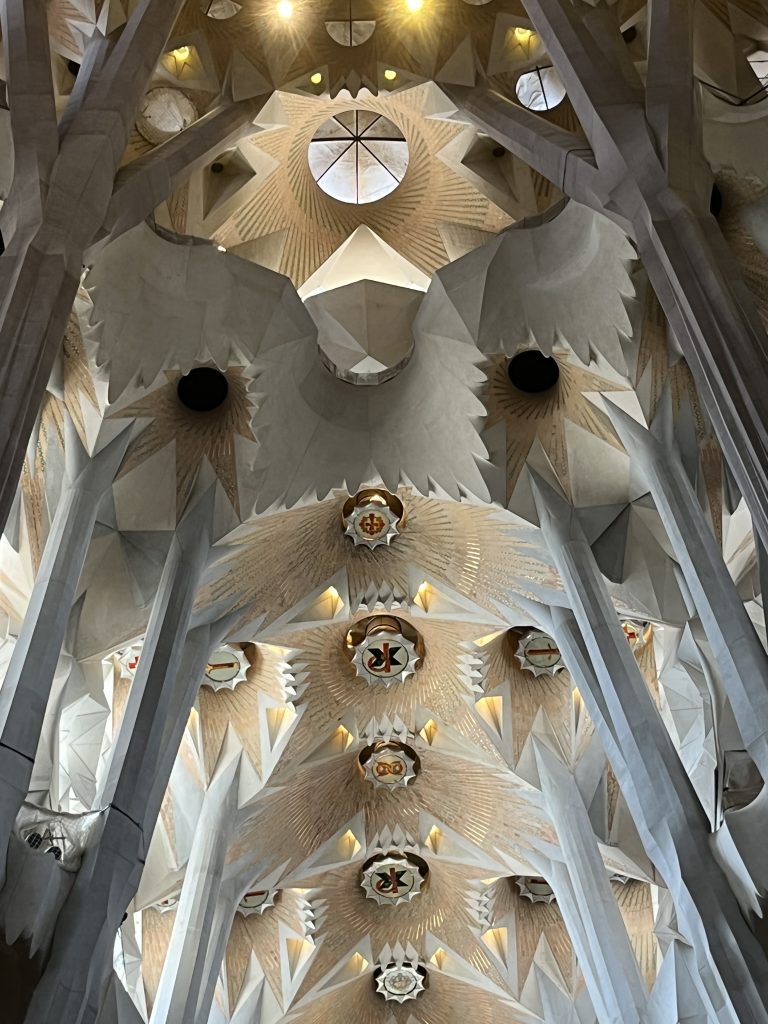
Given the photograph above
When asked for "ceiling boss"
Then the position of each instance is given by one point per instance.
(372, 517)
(394, 878)
(384, 650)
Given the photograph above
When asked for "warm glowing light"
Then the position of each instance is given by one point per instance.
(390, 74)
(284, 9)
(414, 5)
(522, 35)
(345, 736)
(316, 79)
(182, 53)
(348, 844)
(428, 731)
(434, 837)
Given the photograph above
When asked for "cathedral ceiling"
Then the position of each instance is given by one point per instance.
(365, 751)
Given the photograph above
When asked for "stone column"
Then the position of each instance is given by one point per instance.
(732, 968)
(206, 908)
(27, 684)
(586, 901)
(739, 655)
(171, 666)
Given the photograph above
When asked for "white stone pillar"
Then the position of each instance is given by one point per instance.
(27, 684)
(738, 653)
(171, 666)
(206, 909)
(733, 970)
(586, 901)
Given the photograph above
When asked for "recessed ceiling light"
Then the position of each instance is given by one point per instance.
(414, 5)
(390, 75)
(285, 8)
(316, 79)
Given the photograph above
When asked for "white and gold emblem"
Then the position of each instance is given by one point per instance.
(257, 901)
(535, 889)
(226, 668)
(389, 764)
(385, 657)
(393, 878)
(371, 525)
(398, 982)
(372, 518)
(538, 653)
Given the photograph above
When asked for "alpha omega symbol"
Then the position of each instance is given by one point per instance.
(393, 878)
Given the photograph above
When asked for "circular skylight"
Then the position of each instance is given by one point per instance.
(540, 89)
(164, 113)
(358, 156)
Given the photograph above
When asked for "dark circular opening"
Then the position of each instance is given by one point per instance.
(498, 152)
(715, 202)
(533, 372)
(629, 34)
(73, 67)
(217, 168)
(202, 389)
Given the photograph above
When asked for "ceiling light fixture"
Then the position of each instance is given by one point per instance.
(414, 5)
(316, 79)
(284, 9)
(390, 74)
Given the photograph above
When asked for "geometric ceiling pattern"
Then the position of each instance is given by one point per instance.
(382, 623)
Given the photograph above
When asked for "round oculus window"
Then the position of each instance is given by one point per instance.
(358, 156)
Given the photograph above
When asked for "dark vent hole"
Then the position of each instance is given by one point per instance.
(203, 389)
(533, 372)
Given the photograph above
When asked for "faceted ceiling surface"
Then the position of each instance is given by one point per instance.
(386, 758)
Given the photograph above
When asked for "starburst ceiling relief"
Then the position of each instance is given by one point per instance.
(168, 454)
(283, 218)
(282, 565)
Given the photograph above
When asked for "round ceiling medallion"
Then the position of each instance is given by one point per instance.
(384, 650)
(393, 878)
(257, 901)
(400, 982)
(538, 653)
(371, 518)
(537, 890)
(358, 156)
(389, 764)
(226, 668)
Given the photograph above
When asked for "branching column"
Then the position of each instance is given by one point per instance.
(586, 901)
(733, 971)
(67, 192)
(170, 668)
(642, 164)
(740, 657)
(206, 908)
(27, 684)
